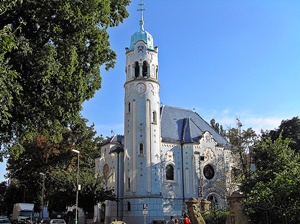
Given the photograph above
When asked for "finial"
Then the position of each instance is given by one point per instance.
(141, 9)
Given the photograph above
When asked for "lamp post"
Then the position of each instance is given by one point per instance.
(43, 193)
(77, 183)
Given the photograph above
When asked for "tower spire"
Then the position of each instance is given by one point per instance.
(141, 9)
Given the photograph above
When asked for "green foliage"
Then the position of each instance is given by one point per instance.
(241, 141)
(217, 127)
(7, 76)
(16, 150)
(50, 57)
(3, 205)
(60, 190)
(216, 217)
(288, 129)
(93, 191)
(63, 190)
(272, 190)
(40, 154)
(8, 4)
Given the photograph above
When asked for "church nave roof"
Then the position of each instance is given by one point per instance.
(182, 125)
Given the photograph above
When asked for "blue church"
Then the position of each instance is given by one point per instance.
(167, 154)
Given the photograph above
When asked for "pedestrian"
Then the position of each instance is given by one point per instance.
(176, 221)
(171, 221)
(186, 219)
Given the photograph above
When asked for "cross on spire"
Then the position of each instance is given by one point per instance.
(141, 9)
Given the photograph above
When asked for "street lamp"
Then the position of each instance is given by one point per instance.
(78, 186)
(43, 193)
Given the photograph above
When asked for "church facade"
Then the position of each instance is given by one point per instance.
(166, 156)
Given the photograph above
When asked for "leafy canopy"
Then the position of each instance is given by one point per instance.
(50, 57)
(272, 191)
(288, 129)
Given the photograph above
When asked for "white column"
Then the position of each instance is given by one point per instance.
(148, 146)
(134, 111)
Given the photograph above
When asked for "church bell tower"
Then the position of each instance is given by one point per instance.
(142, 176)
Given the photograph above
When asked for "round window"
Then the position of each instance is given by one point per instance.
(209, 172)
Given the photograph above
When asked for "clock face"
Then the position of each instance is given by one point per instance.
(140, 88)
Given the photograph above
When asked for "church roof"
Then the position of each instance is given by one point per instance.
(179, 125)
(115, 139)
(187, 126)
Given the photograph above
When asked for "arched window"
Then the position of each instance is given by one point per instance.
(213, 201)
(169, 172)
(141, 148)
(128, 206)
(136, 69)
(145, 69)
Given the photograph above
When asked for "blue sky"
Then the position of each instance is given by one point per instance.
(225, 59)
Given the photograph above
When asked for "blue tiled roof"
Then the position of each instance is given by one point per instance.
(180, 125)
(186, 126)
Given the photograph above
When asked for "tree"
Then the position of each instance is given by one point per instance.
(272, 190)
(50, 57)
(3, 189)
(216, 216)
(288, 129)
(241, 141)
(63, 188)
(93, 191)
(217, 127)
(15, 193)
(59, 165)
(7, 76)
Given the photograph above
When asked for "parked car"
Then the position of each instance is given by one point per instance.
(4, 220)
(57, 221)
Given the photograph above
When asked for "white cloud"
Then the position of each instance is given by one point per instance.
(257, 123)
(227, 119)
(264, 123)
